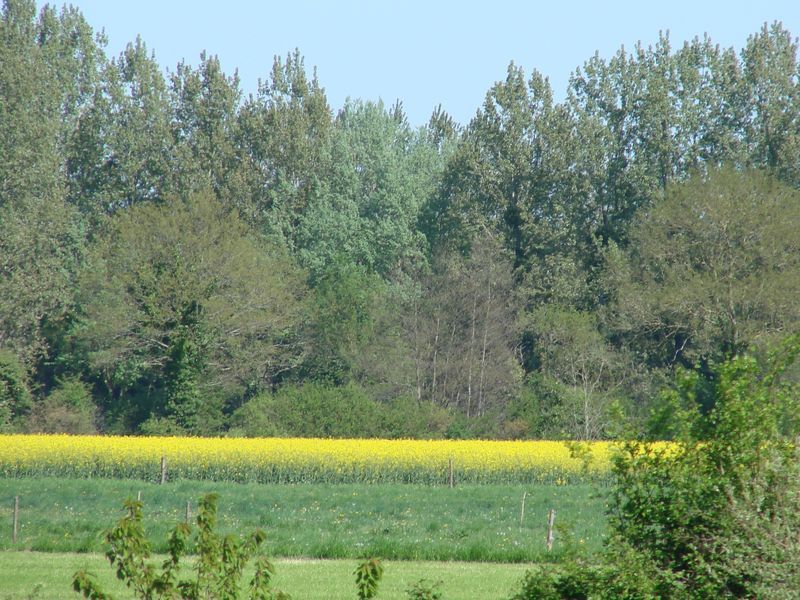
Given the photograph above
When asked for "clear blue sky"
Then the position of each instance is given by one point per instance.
(423, 53)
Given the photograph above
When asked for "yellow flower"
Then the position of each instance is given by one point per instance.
(296, 460)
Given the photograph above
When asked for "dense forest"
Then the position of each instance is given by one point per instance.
(178, 258)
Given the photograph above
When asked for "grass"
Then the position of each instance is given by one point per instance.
(40, 576)
(393, 521)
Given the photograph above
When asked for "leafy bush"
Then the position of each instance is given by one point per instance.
(715, 516)
(368, 576)
(310, 410)
(219, 567)
(67, 409)
(407, 418)
(424, 590)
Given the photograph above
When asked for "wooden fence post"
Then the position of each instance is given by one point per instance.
(163, 470)
(188, 510)
(551, 517)
(522, 509)
(15, 526)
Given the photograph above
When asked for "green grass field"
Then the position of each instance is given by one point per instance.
(393, 521)
(47, 576)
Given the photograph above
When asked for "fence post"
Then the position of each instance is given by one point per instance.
(163, 470)
(551, 517)
(188, 510)
(452, 478)
(15, 526)
(522, 509)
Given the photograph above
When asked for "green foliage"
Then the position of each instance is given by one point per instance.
(460, 328)
(41, 251)
(123, 148)
(285, 132)
(423, 246)
(68, 408)
(310, 410)
(381, 173)
(578, 579)
(587, 372)
(717, 515)
(547, 585)
(368, 576)
(182, 302)
(322, 410)
(15, 397)
(408, 418)
(343, 320)
(424, 590)
(219, 565)
(205, 127)
(710, 269)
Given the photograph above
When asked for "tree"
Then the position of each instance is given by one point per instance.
(772, 127)
(342, 320)
(182, 301)
(462, 330)
(15, 396)
(711, 269)
(284, 134)
(205, 105)
(46, 67)
(68, 408)
(42, 247)
(516, 171)
(30, 101)
(381, 174)
(589, 372)
(654, 116)
(493, 178)
(123, 149)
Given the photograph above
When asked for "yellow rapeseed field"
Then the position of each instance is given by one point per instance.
(297, 460)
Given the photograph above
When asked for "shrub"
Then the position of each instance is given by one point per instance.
(67, 409)
(219, 567)
(715, 516)
(310, 410)
(424, 590)
(407, 418)
(368, 576)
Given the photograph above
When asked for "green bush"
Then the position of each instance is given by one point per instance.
(220, 561)
(424, 590)
(407, 418)
(67, 409)
(219, 567)
(718, 516)
(310, 410)
(368, 576)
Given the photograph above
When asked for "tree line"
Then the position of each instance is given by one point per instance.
(177, 257)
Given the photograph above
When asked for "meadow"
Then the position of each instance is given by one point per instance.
(47, 576)
(324, 504)
(393, 521)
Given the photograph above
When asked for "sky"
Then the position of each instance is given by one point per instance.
(424, 53)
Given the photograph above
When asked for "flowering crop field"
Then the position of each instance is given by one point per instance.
(298, 460)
